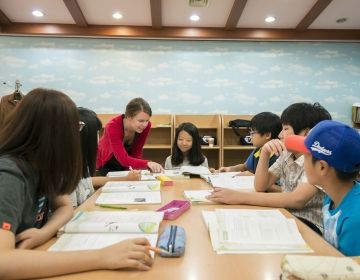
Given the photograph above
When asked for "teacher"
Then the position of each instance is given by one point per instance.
(121, 146)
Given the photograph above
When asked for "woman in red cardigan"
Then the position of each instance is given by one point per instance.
(120, 148)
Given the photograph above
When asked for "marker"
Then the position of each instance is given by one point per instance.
(157, 250)
(112, 206)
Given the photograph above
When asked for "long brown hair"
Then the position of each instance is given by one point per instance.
(137, 105)
(44, 130)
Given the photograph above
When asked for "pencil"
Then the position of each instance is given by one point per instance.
(112, 206)
(157, 250)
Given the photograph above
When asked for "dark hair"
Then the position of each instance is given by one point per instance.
(89, 140)
(304, 115)
(44, 130)
(342, 176)
(137, 105)
(195, 155)
(266, 122)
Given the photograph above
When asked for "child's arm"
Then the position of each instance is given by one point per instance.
(235, 168)
(130, 253)
(33, 237)
(297, 199)
(264, 179)
(99, 181)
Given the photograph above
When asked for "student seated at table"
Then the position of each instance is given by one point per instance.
(263, 127)
(89, 129)
(295, 193)
(40, 164)
(186, 149)
(332, 161)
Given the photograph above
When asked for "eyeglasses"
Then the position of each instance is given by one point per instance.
(81, 125)
(252, 132)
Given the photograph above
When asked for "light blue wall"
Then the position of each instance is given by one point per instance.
(187, 76)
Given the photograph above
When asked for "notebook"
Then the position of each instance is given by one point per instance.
(145, 174)
(98, 229)
(122, 192)
(231, 181)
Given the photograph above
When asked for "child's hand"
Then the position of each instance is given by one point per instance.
(155, 167)
(225, 169)
(223, 195)
(130, 253)
(274, 146)
(134, 175)
(212, 170)
(31, 238)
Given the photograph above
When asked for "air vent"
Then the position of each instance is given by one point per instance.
(198, 3)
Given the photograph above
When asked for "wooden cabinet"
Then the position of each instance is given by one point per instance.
(232, 151)
(208, 125)
(159, 142)
(105, 118)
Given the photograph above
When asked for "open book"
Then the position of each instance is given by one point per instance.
(145, 174)
(130, 192)
(98, 229)
(198, 196)
(246, 231)
(174, 174)
(231, 181)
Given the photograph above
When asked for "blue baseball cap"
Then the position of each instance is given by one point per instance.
(331, 141)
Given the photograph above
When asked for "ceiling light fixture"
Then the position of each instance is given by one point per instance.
(117, 15)
(269, 19)
(194, 17)
(37, 13)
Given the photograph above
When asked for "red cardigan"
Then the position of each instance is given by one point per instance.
(111, 143)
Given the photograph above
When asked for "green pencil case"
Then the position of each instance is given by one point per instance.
(173, 241)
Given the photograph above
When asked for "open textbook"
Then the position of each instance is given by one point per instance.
(98, 229)
(145, 174)
(198, 196)
(130, 192)
(230, 180)
(246, 231)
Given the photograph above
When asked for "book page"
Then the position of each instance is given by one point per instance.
(145, 174)
(196, 170)
(115, 221)
(129, 198)
(172, 174)
(224, 180)
(87, 241)
(198, 196)
(133, 186)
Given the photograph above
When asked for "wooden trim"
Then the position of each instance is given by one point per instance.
(76, 12)
(311, 16)
(234, 16)
(156, 17)
(3, 18)
(69, 30)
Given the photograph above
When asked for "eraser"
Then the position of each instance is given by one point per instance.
(165, 180)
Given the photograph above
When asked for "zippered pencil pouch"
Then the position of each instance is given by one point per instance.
(173, 241)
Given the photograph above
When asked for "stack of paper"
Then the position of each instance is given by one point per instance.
(130, 192)
(231, 181)
(98, 229)
(253, 231)
(174, 174)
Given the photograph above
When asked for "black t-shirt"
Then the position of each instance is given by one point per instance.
(21, 207)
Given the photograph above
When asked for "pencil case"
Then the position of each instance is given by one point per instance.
(174, 209)
(173, 241)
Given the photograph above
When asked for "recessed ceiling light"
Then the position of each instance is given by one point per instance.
(270, 19)
(194, 18)
(341, 20)
(117, 15)
(37, 13)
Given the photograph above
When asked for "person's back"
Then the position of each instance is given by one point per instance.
(332, 161)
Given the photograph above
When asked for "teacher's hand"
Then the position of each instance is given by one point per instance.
(155, 167)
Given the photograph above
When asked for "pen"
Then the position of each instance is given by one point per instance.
(112, 206)
(157, 250)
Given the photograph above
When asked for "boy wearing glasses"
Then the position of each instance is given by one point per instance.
(263, 127)
(295, 193)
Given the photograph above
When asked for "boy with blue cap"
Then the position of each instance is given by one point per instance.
(332, 161)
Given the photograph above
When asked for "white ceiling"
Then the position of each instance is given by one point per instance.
(176, 13)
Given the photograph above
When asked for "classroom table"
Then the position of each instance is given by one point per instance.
(200, 261)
